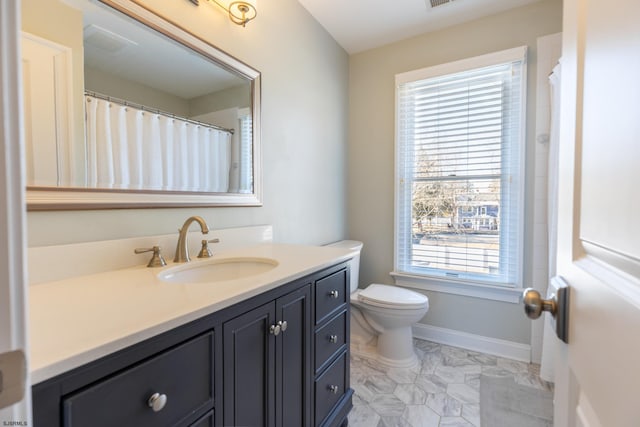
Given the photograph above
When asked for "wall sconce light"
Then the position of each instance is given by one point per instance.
(240, 12)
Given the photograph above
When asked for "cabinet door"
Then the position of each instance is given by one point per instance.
(293, 359)
(206, 421)
(248, 362)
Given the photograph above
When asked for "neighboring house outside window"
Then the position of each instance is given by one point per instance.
(460, 174)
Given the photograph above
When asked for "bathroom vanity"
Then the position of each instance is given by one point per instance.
(271, 349)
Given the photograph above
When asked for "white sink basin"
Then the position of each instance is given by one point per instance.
(217, 270)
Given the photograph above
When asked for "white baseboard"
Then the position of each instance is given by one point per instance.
(494, 346)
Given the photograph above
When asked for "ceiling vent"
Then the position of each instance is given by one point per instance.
(96, 36)
(436, 3)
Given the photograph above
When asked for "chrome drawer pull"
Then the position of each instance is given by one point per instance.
(334, 294)
(283, 325)
(333, 389)
(333, 338)
(157, 401)
(275, 330)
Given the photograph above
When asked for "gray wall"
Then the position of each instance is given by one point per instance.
(304, 133)
(96, 80)
(371, 152)
(237, 96)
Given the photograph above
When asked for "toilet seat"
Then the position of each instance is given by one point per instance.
(386, 296)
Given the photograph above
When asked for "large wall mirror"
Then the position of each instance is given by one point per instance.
(123, 108)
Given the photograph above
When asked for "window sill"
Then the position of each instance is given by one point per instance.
(457, 287)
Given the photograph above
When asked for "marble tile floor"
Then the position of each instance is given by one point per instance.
(442, 391)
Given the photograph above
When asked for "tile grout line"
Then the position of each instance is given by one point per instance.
(445, 366)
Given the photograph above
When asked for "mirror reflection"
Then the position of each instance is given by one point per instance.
(113, 104)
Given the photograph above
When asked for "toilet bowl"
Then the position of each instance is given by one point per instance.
(382, 316)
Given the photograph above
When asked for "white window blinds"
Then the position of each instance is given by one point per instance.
(459, 167)
(246, 151)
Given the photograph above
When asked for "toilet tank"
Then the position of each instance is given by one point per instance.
(355, 246)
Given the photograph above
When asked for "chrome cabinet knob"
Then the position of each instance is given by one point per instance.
(534, 305)
(333, 339)
(157, 401)
(334, 389)
(283, 325)
(334, 294)
(275, 330)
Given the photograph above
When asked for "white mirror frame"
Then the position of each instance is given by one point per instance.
(41, 198)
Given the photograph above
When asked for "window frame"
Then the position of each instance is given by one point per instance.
(455, 285)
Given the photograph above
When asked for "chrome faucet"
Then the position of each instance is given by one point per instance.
(182, 250)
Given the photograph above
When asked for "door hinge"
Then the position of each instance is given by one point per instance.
(13, 375)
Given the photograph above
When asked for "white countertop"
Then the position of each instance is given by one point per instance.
(77, 320)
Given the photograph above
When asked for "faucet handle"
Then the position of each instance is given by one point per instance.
(157, 260)
(205, 252)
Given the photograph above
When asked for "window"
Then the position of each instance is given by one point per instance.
(460, 171)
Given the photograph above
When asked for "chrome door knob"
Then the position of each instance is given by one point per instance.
(157, 401)
(534, 305)
(334, 294)
(283, 325)
(333, 339)
(334, 389)
(558, 305)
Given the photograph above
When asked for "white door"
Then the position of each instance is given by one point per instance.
(13, 381)
(46, 77)
(598, 372)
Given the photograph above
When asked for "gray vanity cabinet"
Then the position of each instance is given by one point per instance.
(267, 364)
(278, 359)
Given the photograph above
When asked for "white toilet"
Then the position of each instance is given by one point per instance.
(382, 316)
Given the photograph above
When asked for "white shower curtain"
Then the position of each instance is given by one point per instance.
(549, 339)
(128, 148)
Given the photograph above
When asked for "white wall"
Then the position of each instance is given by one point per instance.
(371, 153)
(304, 133)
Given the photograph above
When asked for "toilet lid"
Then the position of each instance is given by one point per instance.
(392, 296)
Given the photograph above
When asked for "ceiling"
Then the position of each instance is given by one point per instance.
(118, 45)
(359, 25)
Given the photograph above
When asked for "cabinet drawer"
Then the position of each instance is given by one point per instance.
(184, 374)
(329, 388)
(331, 293)
(330, 339)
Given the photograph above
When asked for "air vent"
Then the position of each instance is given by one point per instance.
(106, 40)
(436, 3)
